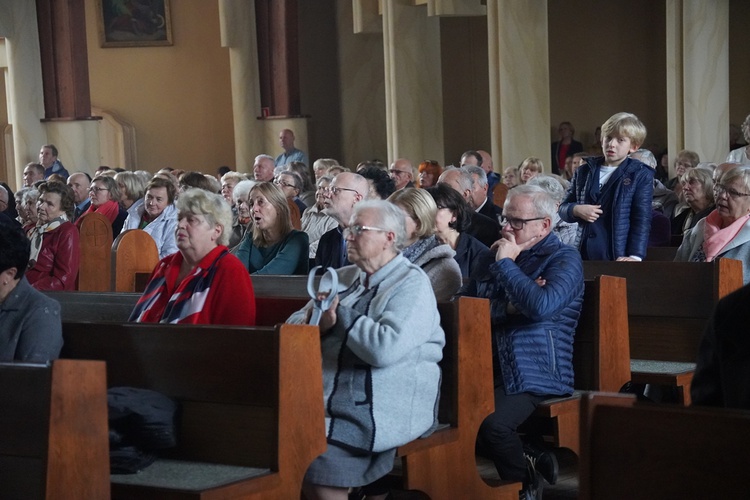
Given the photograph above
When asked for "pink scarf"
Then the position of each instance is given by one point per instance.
(109, 209)
(715, 238)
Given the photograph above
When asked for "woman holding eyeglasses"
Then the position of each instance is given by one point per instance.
(105, 200)
(273, 246)
(451, 221)
(725, 232)
(381, 342)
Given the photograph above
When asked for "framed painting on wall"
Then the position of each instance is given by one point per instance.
(134, 23)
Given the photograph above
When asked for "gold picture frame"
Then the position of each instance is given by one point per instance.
(134, 23)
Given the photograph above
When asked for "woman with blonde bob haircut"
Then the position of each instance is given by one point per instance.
(422, 246)
(274, 246)
(530, 168)
(202, 283)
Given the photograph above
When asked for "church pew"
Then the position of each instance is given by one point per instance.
(94, 273)
(53, 431)
(647, 451)
(251, 404)
(133, 251)
(668, 306)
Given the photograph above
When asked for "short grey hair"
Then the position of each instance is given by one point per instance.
(549, 184)
(741, 172)
(212, 206)
(266, 157)
(645, 156)
(544, 205)
(464, 178)
(31, 195)
(389, 217)
(242, 189)
(479, 172)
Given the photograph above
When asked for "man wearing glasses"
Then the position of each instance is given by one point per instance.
(535, 287)
(346, 190)
(402, 173)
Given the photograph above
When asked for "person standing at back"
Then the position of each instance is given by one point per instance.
(290, 153)
(610, 196)
(50, 162)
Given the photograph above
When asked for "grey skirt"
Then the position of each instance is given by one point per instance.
(346, 468)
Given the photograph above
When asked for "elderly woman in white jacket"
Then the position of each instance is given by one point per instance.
(157, 216)
(381, 342)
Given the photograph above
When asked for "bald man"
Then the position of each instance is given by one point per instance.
(402, 173)
(346, 190)
(290, 154)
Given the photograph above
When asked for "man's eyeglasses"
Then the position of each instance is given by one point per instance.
(335, 190)
(358, 229)
(517, 224)
(720, 188)
(397, 172)
(96, 189)
(284, 184)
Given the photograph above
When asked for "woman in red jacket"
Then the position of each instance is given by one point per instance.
(53, 264)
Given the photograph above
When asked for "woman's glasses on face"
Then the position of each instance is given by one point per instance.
(719, 189)
(97, 189)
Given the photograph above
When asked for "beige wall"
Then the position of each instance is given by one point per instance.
(607, 57)
(739, 69)
(178, 98)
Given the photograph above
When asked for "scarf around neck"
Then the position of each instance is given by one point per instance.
(109, 209)
(716, 238)
(189, 297)
(37, 236)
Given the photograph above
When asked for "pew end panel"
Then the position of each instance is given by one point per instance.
(648, 451)
(96, 244)
(249, 397)
(133, 251)
(53, 431)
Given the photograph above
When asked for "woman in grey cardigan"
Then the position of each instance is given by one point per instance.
(381, 344)
(422, 246)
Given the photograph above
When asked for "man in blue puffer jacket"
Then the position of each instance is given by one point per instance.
(535, 287)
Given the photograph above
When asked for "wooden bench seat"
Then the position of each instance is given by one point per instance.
(250, 399)
(669, 304)
(646, 451)
(53, 431)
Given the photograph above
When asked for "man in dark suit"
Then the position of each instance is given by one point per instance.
(483, 228)
(480, 201)
(80, 182)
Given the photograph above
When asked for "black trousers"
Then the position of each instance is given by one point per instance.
(498, 437)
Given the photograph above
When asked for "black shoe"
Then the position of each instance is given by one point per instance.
(533, 486)
(544, 461)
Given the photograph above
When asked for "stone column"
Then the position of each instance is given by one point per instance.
(698, 78)
(413, 82)
(519, 80)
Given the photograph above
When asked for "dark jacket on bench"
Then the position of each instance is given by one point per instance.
(533, 346)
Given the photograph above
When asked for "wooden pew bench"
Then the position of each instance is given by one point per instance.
(601, 361)
(669, 304)
(649, 452)
(53, 431)
(251, 404)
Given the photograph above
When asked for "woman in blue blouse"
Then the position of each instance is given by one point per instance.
(273, 246)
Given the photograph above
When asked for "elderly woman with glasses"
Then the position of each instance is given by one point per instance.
(202, 283)
(105, 199)
(725, 232)
(273, 246)
(698, 192)
(381, 342)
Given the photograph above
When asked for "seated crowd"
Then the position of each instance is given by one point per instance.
(402, 238)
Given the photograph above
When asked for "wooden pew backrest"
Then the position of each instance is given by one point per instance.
(133, 251)
(669, 302)
(53, 431)
(96, 245)
(655, 452)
